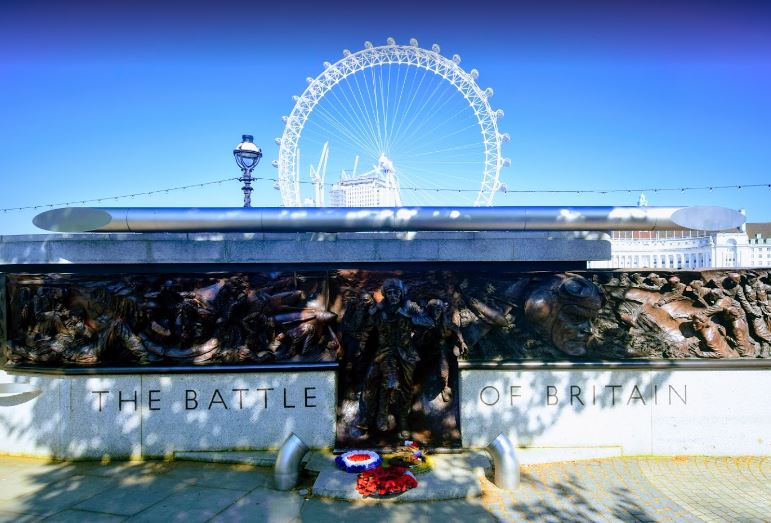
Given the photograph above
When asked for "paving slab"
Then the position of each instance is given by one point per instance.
(328, 511)
(661, 489)
(235, 477)
(48, 499)
(80, 516)
(193, 504)
(133, 494)
(116, 469)
(262, 505)
(7, 516)
(33, 470)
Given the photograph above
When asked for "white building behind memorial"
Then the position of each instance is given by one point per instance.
(748, 247)
(376, 188)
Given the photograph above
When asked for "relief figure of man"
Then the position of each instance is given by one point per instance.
(388, 385)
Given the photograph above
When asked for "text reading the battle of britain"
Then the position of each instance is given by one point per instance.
(583, 395)
(266, 398)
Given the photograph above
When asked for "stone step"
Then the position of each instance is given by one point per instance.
(316, 461)
(257, 458)
(454, 476)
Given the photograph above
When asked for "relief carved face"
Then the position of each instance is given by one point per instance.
(393, 291)
(562, 310)
(393, 296)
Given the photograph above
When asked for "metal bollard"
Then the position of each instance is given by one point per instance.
(505, 462)
(286, 471)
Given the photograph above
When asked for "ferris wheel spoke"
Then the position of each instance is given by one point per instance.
(457, 156)
(374, 95)
(387, 110)
(398, 123)
(430, 176)
(362, 126)
(427, 177)
(365, 114)
(335, 124)
(415, 91)
(458, 183)
(349, 109)
(338, 129)
(384, 107)
(321, 136)
(366, 107)
(409, 154)
(415, 111)
(433, 108)
(433, 135)
(433, 193)
(433, 162)
(401, 93)
(419, 115)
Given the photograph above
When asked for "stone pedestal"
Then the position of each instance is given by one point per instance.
(154, 415)
(597, 412)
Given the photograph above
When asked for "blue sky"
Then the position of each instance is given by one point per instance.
(98, 100)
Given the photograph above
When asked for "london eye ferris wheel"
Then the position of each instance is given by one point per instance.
(403, 113)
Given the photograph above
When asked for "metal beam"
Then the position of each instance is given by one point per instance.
(360, 219)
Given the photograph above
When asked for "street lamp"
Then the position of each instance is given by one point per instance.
(247, 157)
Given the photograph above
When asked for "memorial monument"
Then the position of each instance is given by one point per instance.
(404, 342)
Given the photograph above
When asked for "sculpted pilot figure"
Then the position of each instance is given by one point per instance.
(388, 385)
(445, 338)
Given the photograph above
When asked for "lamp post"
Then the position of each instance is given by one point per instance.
(247, 157)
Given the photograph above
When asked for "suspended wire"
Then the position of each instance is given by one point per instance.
(632, 190)
(121, 196)
(436, 189)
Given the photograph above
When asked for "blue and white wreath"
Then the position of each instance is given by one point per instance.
(358, 460)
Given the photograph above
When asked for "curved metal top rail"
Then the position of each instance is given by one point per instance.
(360, 219)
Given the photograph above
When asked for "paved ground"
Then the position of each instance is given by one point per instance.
(618, 489)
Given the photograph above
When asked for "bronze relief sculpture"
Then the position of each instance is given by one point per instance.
(307, 316)
(182, 320)
(398, 335)
(388, 385)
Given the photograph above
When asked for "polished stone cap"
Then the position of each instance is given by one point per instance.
(278, 248)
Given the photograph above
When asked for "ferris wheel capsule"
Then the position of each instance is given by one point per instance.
(435, 48)
(308, 79)
(327, 65)
(456, 58)
(277, 140)
(506, 162)
(368, 45)
(505, 137)
(390, 41)
(474, 74)
(274, 163)
(499, 114)
(489, 92)
(295, 98)
(346, 53)
(284, 119)
(414, 42)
